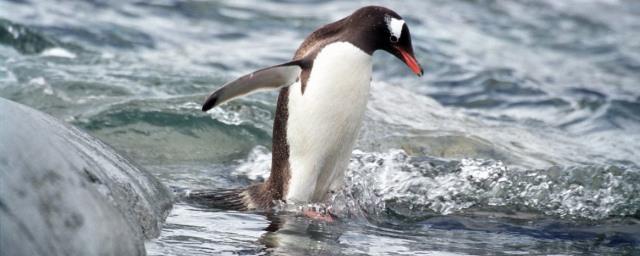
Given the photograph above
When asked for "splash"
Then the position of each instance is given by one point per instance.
(377, 183)
(422, 186)
(257, 165)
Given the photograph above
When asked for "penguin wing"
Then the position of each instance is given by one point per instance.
(274, 77)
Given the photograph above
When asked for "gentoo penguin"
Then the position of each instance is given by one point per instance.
(323, 96)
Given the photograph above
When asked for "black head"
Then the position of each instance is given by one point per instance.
(374, 28)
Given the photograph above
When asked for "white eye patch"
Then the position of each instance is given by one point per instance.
(394, 25)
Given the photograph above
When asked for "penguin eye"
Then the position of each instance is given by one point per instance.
(394, 39)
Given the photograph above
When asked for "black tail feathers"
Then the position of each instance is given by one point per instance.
(227, 199)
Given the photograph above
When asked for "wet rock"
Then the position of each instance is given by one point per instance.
(63, 192)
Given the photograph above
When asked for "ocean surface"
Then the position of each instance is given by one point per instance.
(523, 137)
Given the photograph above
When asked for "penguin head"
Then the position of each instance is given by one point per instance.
(375, 28)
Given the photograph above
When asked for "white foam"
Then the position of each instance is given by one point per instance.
(38, 81)
(58, 52)
(257, 166)
(377, 181)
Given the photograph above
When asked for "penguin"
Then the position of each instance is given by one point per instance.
(323, 96)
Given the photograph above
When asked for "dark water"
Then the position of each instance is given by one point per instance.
(523, 137)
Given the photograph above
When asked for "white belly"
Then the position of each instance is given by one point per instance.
(323, 123)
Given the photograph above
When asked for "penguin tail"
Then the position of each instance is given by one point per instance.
(226, 199)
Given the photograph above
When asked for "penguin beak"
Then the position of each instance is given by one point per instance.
(408, 58)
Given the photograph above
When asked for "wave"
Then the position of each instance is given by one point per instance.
(423, 186)
(174, 130)
(24, 39)
(393, 183)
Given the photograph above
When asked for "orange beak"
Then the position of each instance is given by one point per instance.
(411, 61)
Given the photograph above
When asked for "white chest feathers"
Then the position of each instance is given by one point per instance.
(323, 122)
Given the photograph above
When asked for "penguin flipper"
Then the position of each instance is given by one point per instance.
(274, 77)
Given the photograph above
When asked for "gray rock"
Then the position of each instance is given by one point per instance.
(63, 192)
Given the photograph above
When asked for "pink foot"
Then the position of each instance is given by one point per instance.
(318, 215)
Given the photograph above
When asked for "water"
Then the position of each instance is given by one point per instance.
(521, 138)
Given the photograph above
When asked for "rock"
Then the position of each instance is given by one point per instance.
(63, 192)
